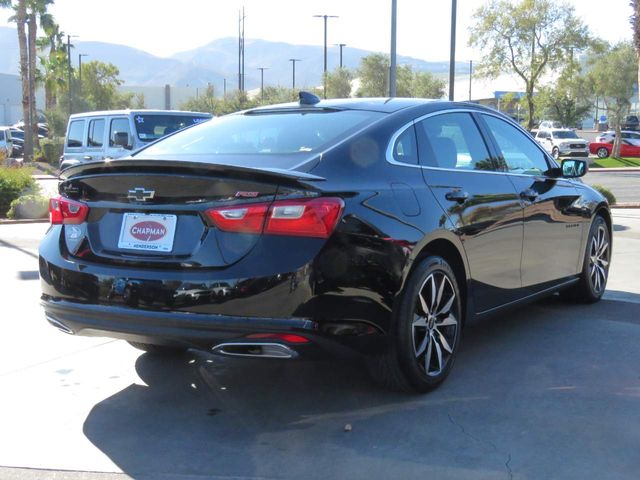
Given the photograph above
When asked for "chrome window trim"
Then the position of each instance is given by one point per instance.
(401, 130)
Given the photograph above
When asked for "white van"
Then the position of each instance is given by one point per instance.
(6, 144)
(116, 133)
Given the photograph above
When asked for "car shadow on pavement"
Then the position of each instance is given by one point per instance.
(200, 414)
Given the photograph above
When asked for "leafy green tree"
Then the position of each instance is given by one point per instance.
(374, 76)
(613, 74)
(374, 80)
(527, 38)
(427, 85)
(99, 86)
(338, 83)
(54, 62)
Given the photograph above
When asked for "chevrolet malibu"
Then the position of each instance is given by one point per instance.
(374, 227)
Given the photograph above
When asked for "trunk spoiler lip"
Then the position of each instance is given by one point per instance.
(103, 166)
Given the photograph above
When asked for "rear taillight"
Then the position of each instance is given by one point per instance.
(316, 217)
(65, 211)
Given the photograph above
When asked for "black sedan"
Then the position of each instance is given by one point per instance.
(367, 226)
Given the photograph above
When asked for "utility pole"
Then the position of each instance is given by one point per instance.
(392, 64)
(293, 61)
(262, 69)
(324, 76)
(241, 17)
(341, 45)
(470, 77)
(80, 55)
(224, 88)
(452, 58)
(69, 73)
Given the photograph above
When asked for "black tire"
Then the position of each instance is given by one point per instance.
(415, 334)
(555, 152)
(602, 152)
(157, 349)
(595, 272)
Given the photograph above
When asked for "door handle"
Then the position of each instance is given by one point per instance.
(457, 196)
(529, 194)
(87, 157)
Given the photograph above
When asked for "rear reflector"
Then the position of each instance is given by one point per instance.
(65, 211)
(285, 337)
(316, 217)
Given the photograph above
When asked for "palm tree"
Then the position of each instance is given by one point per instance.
(635, 23)
(55, 63)
(20, 17)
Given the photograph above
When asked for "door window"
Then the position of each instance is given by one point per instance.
(452, 140)
(76, 130)
(520, 153)
(118, 125)
(96, 133)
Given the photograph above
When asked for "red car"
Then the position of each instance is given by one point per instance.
(603, 150)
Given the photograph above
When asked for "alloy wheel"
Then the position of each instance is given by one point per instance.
(599, 259)
(435, 324)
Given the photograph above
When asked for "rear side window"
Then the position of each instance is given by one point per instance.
(76, 131)
(96, 133)
(151, 127)
(405, 150)
(521, 154)
(118, 125)
(452, 140)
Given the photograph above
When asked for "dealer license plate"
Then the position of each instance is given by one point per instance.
(151, 232)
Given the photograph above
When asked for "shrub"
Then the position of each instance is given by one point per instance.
(29, 206)
(50, 150)
(13, 183)
(611, 198)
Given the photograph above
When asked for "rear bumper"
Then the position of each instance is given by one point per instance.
(197, 330)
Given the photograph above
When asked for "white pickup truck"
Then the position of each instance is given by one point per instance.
(562, 142)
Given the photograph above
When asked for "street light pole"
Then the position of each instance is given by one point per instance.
(470, 77)
(392, 64)
(293, 61)
(262, 69)
(341, 45)
(452, 59)
(80, 55)
(69, 71)
(324, 77)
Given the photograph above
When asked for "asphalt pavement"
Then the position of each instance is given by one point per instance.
(624, 185)
(551, 390)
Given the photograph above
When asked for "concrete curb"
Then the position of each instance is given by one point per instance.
(619, 169)
(626, 205)
(7, 221)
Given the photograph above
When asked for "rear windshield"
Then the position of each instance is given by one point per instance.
(264, 134)
(567, 134)
(152, 127)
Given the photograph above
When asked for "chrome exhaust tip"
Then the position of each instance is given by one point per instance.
(58, 324)
(254, 349)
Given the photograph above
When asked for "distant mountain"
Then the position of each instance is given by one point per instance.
(215, 61)
(222, 55)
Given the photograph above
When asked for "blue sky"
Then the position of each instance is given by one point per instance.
(164, 27)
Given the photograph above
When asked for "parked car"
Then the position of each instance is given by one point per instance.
(546, 124)
(632, 138)
(17, 137)
(6, 142)
(603, 150)
(631, 122)
(376, 226)
(116, 133)
(562, 142)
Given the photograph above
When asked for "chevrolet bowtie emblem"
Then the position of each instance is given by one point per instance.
(139, 194)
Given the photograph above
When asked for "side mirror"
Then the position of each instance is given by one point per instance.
(573, 168)
(122, 139)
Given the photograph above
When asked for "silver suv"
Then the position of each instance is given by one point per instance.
(562, 142)
(117, 133)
